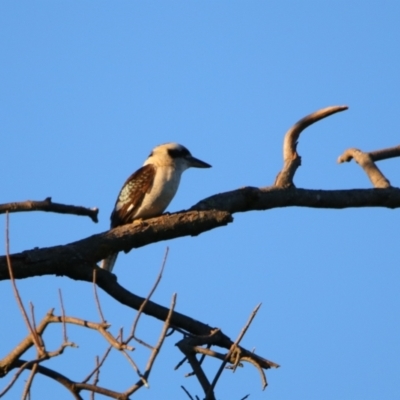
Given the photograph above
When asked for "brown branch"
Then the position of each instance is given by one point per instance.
(96, 377)
(384, 154)
(144, 379)
(234, 348)
(48, 206)
(291, 160)
(78, 258)
(366, 162)
(98, 364)
(74, 387)
(28, 384)
(35, 338)
(22, 368)
(8, 362)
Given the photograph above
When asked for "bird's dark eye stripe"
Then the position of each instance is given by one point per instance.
(150, 154)
(175, 153)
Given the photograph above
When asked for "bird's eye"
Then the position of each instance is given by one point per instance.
(150, 154)
(175, 153)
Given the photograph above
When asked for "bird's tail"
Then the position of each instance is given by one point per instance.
(108, 263)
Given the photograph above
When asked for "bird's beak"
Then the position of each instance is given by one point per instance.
(196, 163)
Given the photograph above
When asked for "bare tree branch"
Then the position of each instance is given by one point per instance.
(143, 379)
(140, 311)
(291, 160)
(98, 364)
(32, 329)
(28, 384)
(96, 297)
(49, 206)
(384, 154)
(78, 260)
(366, 162)
(234, 348)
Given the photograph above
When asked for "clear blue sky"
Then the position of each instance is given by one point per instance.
(88, 88)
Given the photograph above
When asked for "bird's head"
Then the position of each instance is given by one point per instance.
(176, 155)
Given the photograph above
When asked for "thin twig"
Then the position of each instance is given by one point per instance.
(65, 337)
(99, 365)
(156, 349)
(189, 395)
(96, 296)
(250, 360)
(136, 368)
(35, 339)
(28, 384)
(32, 309)
(231, 351)
(96, 377)
(143, 305)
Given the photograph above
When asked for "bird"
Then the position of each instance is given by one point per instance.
(149, 190)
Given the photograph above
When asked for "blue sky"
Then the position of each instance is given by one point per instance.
(88, 88)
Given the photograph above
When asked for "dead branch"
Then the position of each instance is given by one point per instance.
(28, 384)
(96, 297)
(74, 259)
(65, 336)
(143, 379)
(48, 206)
(78, 260)
(234, 350)
(291, 160)
(32, 329)
(98, 365)
(384, 154)
(74, 387)
(188, 394)
(140, 311)
(366, 162)
(7, 362)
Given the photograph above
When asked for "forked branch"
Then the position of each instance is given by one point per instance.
(291, 159)
(367, 163)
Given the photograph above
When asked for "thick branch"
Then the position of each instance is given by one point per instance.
(49, 206)
(71, 259)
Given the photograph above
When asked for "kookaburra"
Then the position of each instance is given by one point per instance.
(149, 190)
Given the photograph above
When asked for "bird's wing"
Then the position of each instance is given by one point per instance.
(132, 194)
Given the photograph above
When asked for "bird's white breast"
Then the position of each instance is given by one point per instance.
(165, 185)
